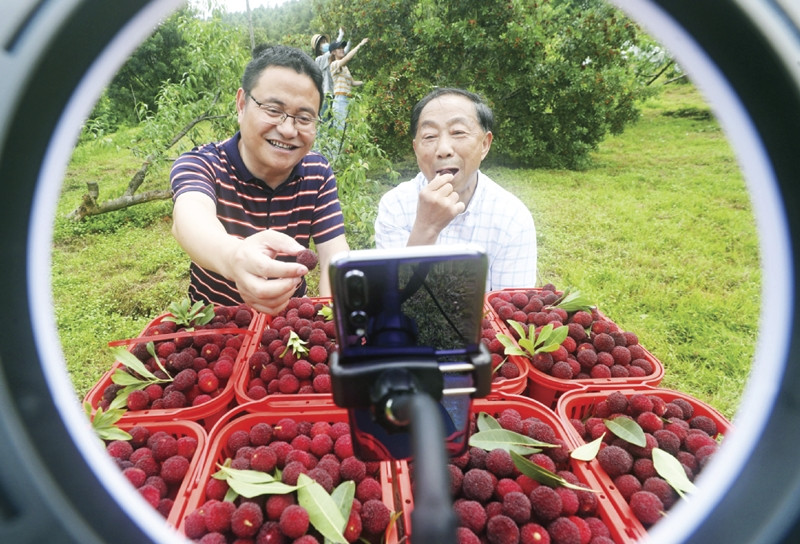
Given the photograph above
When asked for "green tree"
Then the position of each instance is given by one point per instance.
(135, 87)
(556, 73)
(194, 108)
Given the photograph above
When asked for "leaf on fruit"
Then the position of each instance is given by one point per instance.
(343, 496)
(486, 422)
(132, 362)
(252, 483)
(550, 339)
(518, 328)
(573, 301)
(327, 312)
(542, 475)
(627, 429)
(323, 512)
(104, 423)
(510, 345)
(587, 452)
(669, 468)
(186, 314)
(507, 440)
(296, 344)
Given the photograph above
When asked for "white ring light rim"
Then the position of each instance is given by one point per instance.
(777, 272)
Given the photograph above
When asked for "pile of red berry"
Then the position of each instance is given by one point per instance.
(155, 462)
(671, 425)
(503, 367)
(283, 365)
(496, 503)
(595, 347)
(286, 448)
(193, 366)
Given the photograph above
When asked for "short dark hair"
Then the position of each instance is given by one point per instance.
(284, 56)
(482, 109)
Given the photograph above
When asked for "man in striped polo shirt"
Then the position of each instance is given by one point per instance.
(245, 206)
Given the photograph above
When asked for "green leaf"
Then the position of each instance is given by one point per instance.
(542, 475)
(323, 513)
(242, 475)
(252, 483)
(517, 326)
(572, 301)
(327, 312)
(343, 496)
(250, 490)
(132, 362)
(113, 433)
(527, 345)
(627, 429)
(296, 344)
(508, 440)
(587, 452)
(669, 468)
(189, 315)
(541, 338)
(486, 422)
(104, 423)
(123, 378)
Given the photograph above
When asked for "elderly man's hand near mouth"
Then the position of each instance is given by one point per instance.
(438, 204)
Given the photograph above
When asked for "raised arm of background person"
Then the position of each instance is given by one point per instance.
(345, 59)
(247, 262)
(325, 252)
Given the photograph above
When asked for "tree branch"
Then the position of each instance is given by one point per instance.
(89, 205)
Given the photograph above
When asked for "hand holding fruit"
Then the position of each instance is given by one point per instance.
(438, 205)
(265, 283)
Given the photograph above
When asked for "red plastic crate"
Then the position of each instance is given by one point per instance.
(301, 408)
(178, 429)
(242, 379)
(208, 412)
(580, 405)
(618, 523)
(508, 386)
(547, 389)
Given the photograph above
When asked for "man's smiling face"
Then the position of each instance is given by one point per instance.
(271, 151)
(450, 140)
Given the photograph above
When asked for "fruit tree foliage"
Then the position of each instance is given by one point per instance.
(557, 74)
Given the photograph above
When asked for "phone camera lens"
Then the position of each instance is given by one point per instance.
(356, 289)
(358, 319)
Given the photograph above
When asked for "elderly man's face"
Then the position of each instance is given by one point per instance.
(450, 140)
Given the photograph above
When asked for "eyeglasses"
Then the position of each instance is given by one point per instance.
(276, 116)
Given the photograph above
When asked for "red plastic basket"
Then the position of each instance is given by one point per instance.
(547, 389)
(617, 522)
(207, 412)
(178, 429)
(243, 377)
(274, 408)
(580, 405)
(508, 386)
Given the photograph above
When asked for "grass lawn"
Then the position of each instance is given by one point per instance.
(658, 232)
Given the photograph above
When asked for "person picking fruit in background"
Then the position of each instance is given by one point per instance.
(451, 200)
(246, 207)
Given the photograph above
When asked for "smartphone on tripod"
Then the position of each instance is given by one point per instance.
(408, 317)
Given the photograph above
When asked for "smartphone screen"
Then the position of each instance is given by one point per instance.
(422, 303)
(428, 298)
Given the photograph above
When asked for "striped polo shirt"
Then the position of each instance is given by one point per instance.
(305, 207)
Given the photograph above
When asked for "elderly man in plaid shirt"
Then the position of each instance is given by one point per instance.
(451, 200)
